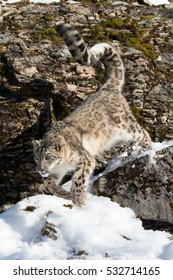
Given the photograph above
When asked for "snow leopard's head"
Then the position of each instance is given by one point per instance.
(49, 152)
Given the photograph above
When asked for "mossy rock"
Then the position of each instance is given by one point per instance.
(162, 70)
(127, 31)
(1, 49)
(49, 17)
(137, 113)
(146, 48)
(47, 33)
(114, 22)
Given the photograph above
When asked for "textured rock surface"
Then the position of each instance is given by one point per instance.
(146, 188)
(39, 81)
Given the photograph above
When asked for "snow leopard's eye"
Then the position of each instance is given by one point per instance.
(48, 157)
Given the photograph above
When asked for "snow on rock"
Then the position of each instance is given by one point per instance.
(157, 2)
(124, 159)
(45, 1)
(32, 1)
(149, 2)
(100, 229)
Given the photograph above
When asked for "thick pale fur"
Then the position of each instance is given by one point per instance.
(104, 120)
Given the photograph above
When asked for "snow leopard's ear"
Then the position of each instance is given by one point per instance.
(36, 144)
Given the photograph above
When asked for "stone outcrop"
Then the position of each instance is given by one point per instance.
(39, 82)
(143, 186)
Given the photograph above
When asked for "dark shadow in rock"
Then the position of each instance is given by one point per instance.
(157, 225)
(24, 115)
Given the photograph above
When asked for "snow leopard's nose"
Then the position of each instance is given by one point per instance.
(43, 173)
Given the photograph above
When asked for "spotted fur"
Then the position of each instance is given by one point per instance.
(103, 121)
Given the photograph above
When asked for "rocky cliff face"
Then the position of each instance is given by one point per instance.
(39, 81)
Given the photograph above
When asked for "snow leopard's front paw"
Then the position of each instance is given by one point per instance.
(78, 194)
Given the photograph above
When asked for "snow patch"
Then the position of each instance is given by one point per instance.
(157, 2)
(101, 229)
(149, 2)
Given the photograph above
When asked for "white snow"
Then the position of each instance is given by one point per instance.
(150, 2)
(45, 1)
(100, 228)
(32, 1)
(157, 2)
(5, 2)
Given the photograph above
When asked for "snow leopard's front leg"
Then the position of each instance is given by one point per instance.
(51, 187)
(80, 179)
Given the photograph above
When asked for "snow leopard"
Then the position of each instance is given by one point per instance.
(102, 121)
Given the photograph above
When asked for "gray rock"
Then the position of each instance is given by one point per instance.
(145, 188)
(49, 231)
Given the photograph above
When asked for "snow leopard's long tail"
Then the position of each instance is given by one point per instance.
(100, 52)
